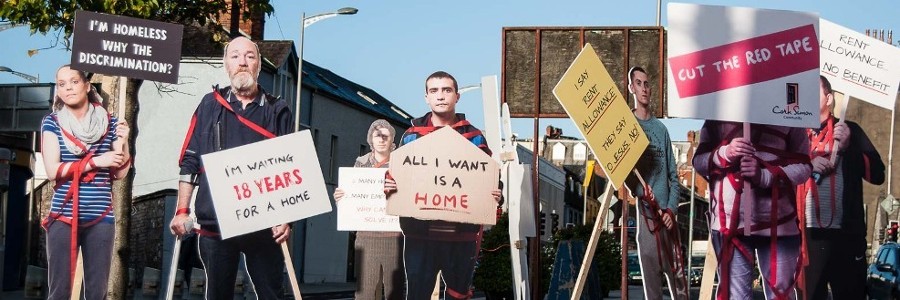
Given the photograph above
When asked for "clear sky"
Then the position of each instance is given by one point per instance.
(391, 46)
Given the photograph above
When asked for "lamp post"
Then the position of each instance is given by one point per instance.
(32, 79)
(469, 88)
(304, 22)
(10, 25)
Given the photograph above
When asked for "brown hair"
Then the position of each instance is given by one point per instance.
(92, 94)
(826, 85)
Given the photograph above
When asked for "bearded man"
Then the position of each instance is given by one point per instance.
(226, 118)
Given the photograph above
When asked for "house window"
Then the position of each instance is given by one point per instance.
(579, 153)
(367, 98)
(332, 159)
(559, 152)
(675, 153)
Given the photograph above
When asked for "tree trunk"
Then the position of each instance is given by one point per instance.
(121, 190)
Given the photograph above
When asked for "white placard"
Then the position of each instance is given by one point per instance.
(267, 183)
(743, 65)
(858, 65)
(363, 207)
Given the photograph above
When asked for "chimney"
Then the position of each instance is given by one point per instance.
(236, 25)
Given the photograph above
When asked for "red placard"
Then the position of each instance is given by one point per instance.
(746, 62)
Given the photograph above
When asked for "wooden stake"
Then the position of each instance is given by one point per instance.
(592, 243)
(290, 269)
(842, 114)
(120, 107)
(747, 195)
(79, 277)
(709, 272)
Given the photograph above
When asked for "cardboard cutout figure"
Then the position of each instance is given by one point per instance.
(659, 245)
(735, 68)
(379, 247)
(432, 244)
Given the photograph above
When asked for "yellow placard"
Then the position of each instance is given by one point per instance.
(591, 99)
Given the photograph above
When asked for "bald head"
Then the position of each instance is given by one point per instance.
(242, 62)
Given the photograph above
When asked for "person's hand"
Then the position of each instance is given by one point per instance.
(122, 133)
(737, 148)
(497, 194)
(338, 194)
(667, 220)
(750, 169)
(390, 186)
(822, 165)
(181, 224)
(281, 233)
(122, 130)
(841, 135)
(110, 159)
(648, 193)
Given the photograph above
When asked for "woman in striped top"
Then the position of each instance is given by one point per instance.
(84, 149)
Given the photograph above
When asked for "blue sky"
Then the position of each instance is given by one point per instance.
(391, 46)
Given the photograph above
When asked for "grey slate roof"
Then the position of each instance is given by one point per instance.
(324, 81)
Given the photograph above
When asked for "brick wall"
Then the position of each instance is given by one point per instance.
(253, 26)
(148, 225)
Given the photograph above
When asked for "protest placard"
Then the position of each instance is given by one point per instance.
(591, 99)
(267, 183)
(363, 207)
(130, 47)
(858, 65)
(743, 64)
(443, 176)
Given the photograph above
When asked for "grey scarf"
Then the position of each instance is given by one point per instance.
(90, 129)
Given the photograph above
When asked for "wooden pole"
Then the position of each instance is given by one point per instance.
(842, 114)
(79, 277)
(592, 243)
(747, 195)
(290, 269)
(624, 229)
(709, 272)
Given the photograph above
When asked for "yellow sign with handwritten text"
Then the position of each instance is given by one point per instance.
(591, 99)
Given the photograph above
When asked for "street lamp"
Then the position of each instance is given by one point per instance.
(305, 22)
(469, 88)
(10, 25)
(32, 79)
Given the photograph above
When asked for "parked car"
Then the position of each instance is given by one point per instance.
(695, 276)
(882, 280)
(634, 270)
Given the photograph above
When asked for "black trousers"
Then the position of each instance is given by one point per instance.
(836, 259)
(96, 243)
(424, 258)
(265, 264)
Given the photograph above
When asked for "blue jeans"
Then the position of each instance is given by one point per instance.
(265, 264)
(742, 267)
